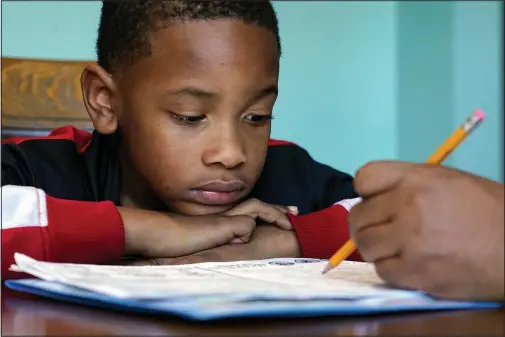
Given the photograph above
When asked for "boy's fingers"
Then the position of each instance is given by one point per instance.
(237, 227)
(379, 176)
(273, 214)
(221, 230)
(287, 209)
(243, 239)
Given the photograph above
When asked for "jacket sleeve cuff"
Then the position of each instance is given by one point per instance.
(321, 234)
(84, 232)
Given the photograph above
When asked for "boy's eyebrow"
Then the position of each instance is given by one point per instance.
(271, 89)
(200, 93)
(192, 91)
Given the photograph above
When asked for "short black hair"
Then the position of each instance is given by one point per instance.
(125, 25)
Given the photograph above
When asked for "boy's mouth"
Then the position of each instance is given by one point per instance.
(218, 192)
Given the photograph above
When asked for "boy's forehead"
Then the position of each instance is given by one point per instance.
(200, 42)
(209, 49)
(223, 39)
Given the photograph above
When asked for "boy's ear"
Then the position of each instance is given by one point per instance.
(98, 89)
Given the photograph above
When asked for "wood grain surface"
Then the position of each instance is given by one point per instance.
(28, 315)
(42, 94)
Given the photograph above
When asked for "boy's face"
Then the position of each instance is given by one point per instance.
(195, 113)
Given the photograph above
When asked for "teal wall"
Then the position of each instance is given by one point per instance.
(425, 69)
(478, 80)
(449, 63)
(339, 80)
(359, 80)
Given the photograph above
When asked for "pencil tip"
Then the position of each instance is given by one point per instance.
(326, 269)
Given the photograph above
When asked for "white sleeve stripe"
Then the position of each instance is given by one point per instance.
(43, 220)
(348, 203)
(23, 206)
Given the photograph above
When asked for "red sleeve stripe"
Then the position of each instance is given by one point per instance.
(57, 230)
(81, 138)
(275, 142)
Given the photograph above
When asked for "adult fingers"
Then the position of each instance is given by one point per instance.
(379, 176)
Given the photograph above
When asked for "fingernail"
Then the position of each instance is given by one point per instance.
(285, 224)
(237, 240)
(293, 209)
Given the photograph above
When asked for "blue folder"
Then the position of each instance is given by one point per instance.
(216, 307)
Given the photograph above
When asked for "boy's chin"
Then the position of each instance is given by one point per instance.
(199, 209)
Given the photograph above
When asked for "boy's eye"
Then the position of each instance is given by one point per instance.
(187, 119)
(258, 119)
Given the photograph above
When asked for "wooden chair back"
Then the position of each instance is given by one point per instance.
(41, 95)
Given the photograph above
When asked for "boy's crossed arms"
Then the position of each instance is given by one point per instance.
(154, 237)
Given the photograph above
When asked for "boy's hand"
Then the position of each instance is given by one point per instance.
(153, 234)
(267, 242)
(431, 228)
(268, 213)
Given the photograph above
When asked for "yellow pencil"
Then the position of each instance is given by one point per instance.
(436, 158)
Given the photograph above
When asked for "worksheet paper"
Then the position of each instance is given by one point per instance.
(268, 279)
(209, 291)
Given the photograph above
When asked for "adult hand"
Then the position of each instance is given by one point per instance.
(431, 228)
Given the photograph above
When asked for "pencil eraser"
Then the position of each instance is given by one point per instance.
(479, 114)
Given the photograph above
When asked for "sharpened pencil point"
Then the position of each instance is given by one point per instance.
(327, 268)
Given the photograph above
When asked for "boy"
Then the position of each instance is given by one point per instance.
(180, 161)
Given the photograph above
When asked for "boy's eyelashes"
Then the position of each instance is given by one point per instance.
(187, 119)
(258, 119)
(253, 119)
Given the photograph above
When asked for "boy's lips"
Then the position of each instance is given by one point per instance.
(218, 192)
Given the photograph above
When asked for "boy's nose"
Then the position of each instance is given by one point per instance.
(225, 149)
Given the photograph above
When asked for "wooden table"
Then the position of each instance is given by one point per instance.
(27, 315)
